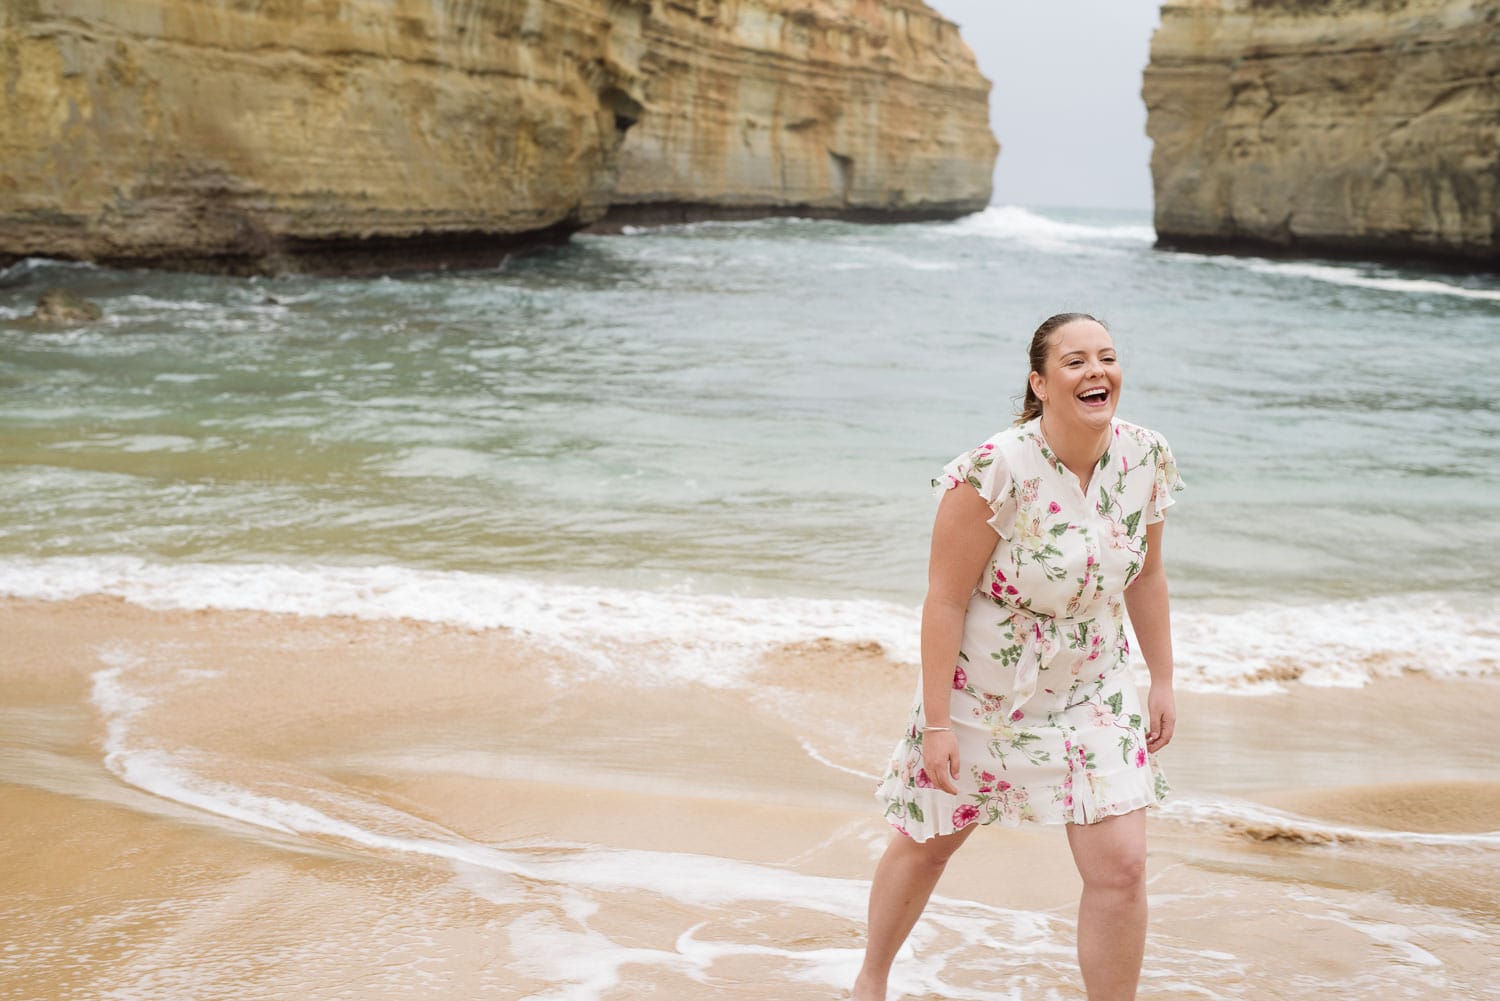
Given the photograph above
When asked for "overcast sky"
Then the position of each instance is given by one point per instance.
(1066, 104)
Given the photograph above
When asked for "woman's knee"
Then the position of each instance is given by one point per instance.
(1111, 857)
(1119, 872)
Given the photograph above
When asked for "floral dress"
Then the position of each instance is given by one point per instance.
(1049, 725)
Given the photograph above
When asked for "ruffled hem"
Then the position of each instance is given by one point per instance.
(938, 813)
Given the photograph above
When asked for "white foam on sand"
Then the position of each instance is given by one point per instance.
(560, 888)
(1264, 823)
(665, 637)
(568, 883)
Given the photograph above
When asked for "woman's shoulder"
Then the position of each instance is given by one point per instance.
(1010, 437)
(1005, 448)
(1135, 434)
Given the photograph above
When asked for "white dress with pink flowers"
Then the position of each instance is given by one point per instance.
(1049, 725)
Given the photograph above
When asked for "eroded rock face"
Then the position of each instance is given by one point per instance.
(338, 133)
(259, 134)
(1365, 126)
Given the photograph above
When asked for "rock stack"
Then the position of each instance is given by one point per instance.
(1363, 127)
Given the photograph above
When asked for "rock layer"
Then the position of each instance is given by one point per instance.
(1350, 126)
(338, 133)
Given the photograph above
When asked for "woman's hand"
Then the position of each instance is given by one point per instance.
(1161, 704)
(940, 759)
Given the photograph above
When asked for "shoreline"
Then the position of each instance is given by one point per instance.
(396, 803)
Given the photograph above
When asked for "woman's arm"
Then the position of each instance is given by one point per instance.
(962, 543)
(1146, 601)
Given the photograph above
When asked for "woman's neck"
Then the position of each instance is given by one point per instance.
(1078, 447)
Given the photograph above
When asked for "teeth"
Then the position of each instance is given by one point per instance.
(1094, 394)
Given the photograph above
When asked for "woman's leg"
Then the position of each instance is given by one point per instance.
(904, 880)
(1111, 858)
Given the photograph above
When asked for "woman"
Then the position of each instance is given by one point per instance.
(1026, 710)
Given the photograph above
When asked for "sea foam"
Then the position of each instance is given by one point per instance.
(1355, 277)
(664, 637)
(1015, 224)
(707, 638)
(1011, 223)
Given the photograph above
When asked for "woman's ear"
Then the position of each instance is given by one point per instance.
(1037, 382)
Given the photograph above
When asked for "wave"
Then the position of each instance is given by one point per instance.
(1263, 647)
(1356, 278)
(1013, 223)
(26, 268)
(708, 225)
(663, 637)
(656, 636)
(155, 304)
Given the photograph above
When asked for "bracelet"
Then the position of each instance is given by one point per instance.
(941, 729)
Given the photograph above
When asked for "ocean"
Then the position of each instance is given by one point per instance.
(685, 472)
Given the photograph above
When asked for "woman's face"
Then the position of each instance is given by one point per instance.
(1082, 384)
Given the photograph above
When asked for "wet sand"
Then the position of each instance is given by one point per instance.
(250, 805)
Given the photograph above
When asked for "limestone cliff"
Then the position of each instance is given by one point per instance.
(845, 107)
(1364, 126)
(327, 133)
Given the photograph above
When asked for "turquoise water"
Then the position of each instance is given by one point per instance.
(749, 408)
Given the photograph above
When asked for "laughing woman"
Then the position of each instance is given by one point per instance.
(1027, 711)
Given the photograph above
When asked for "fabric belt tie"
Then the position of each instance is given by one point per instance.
(1043, 642)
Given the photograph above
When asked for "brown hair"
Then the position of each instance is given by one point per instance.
(1041, 343)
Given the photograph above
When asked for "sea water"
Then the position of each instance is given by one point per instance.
(726, 432)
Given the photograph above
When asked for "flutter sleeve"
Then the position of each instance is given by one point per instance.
(1167, 481)
(984, 469)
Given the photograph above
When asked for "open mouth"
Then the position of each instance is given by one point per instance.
(1096, 397)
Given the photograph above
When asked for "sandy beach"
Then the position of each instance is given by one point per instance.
(251, 805)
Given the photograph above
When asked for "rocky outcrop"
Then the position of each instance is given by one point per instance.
(58, 306)
(341, 133)
(1346, 126)
(839, 107)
